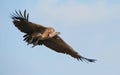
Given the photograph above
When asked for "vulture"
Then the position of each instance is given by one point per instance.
(36, 34)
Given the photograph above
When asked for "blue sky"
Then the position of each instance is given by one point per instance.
(91, 27)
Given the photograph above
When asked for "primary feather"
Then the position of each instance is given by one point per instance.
(33, 33)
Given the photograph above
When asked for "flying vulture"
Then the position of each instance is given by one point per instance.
(40, 35)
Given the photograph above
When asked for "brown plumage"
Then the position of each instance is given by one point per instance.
(39, 35)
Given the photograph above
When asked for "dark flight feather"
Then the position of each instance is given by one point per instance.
(56, 43)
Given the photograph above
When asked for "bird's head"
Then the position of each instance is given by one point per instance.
(52, 32)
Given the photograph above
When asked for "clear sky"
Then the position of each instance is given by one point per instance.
(91, 27)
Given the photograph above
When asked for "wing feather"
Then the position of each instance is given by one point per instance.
(21, 14)
(21, 22)
(59, 45)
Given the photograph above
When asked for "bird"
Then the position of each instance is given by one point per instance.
(37, 34)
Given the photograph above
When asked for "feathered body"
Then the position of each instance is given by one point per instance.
(40, 35)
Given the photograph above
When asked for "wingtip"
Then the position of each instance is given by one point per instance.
(81, 58)
(89, 60)
(17, 15)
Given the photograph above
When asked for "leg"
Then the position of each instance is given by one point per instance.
(30, 41)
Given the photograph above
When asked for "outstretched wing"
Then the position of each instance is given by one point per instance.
(59, 45)
(22, 23)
